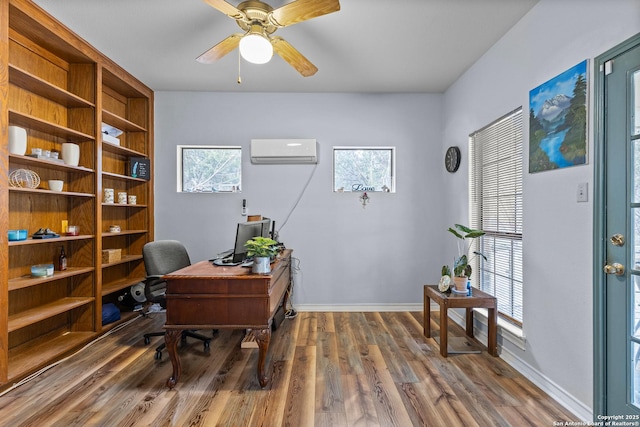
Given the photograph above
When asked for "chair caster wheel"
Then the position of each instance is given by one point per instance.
(158, 355)
(206, 345)
(147, 340)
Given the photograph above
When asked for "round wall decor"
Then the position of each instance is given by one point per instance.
(452, 159)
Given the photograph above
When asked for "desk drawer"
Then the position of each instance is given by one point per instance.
(211, 310)
(190, 285)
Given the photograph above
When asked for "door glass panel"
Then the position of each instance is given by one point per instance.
(636, 307)
(636, 105)
(635, 353)
(636, 171)
(636, 238)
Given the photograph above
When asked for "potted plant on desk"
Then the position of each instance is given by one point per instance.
(261, 249)
(461, 267)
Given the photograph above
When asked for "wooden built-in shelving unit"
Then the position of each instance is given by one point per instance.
(61, 89)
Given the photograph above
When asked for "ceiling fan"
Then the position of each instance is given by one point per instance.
(259, 21)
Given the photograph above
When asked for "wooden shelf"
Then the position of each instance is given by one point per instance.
(62, 238)
(122, 205)
(60, 88)
(35, 315)
(45, 89)
(109, 288)
(39, 352)
(125, 259)
(120, 123)
(53, 193)
(123, 233)
(122, 151)
(31, 122)
(122, 177)
(27, 281)
(28, 160)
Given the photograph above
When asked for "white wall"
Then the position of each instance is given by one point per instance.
(553, 36)
(349, 255)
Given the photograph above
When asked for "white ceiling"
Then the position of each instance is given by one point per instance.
(367, 46)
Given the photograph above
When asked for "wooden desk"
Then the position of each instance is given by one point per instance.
(452, 300)
(205, 296)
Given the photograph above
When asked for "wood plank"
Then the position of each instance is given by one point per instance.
(117, 381)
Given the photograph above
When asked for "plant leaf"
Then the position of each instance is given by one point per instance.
(455, 233)
(463, 228)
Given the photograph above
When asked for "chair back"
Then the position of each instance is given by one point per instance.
(162, 257)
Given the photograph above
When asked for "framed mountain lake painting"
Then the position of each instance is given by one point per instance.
(558, 121)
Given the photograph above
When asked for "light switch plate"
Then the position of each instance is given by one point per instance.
(583, 192)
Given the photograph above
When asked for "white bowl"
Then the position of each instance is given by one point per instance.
(55, 184)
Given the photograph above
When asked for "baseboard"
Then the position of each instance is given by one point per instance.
(547, 385)
(564, 398)
(358, 307)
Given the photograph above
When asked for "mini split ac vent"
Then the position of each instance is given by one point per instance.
(283, 151)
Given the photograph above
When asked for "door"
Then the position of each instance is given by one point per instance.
(617, 247)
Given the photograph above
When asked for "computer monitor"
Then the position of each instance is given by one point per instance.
(247, 231)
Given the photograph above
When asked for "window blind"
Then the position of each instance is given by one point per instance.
(496, 207)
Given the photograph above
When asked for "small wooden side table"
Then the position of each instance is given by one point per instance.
(477, 299)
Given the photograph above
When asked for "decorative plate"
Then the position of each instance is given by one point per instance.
(444, 284)
(24, 178)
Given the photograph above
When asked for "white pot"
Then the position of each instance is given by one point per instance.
(70, 154)
(261, 265)
(17, 140)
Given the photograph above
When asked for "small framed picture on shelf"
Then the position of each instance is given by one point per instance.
(140, 167)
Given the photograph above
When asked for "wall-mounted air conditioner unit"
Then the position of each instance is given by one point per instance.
(287, 151)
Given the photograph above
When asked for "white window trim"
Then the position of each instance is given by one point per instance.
(392, 189)
(179, 149)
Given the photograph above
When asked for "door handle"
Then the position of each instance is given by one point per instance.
(615, 268)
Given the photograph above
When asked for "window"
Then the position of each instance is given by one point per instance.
(364, 169)
(209, 169)
(496, 207)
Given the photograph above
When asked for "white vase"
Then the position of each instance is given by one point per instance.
(261, 265)
(17, 140)
(70, 154)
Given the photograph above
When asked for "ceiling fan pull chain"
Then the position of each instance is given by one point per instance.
(239, 78)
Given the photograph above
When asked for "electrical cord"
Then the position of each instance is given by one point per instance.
(291, 312)
(296, 202)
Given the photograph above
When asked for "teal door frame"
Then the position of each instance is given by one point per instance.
(599, 229)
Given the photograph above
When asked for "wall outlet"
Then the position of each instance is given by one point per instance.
(583, 192)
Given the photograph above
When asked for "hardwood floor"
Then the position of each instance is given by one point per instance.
(328, 369)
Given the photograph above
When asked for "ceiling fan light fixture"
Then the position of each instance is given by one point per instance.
(255, 47)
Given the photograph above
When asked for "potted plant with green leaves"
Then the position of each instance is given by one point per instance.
(261, 249)
(461, 264)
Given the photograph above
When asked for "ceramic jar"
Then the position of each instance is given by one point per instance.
(17, 140)
(70, 154)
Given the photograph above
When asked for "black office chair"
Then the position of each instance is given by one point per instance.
(163, 257)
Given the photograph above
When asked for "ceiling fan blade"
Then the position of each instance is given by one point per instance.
(302, 10)
(226, 8)
(293, 57)
(221, 49)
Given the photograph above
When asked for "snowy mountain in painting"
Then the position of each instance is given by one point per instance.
(554, 107)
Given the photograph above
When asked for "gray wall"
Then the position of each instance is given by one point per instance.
(349, 255)
(383, 254)
(558, 231)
